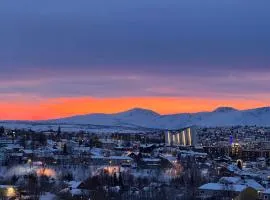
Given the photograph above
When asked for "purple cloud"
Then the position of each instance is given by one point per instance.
(170, 48)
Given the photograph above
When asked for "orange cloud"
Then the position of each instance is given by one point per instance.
(62, 107)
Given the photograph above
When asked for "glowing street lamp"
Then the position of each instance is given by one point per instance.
(11, 192)
(29, 161)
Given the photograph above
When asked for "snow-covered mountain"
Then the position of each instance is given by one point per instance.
(223, 116)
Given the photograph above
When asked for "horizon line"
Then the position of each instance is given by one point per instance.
(134, 108)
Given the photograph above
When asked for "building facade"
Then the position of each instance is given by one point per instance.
(184, 137)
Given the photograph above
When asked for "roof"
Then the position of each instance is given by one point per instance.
(5, 186)
(151, 159)
(82, 148)
(107, 141)
(120, 158)
(232, 180)
(112, 157)
(233, 168)
(168, 157)
(238, 180)
(253, 184)
(17, 154)
(28, 151)
(96, 151)
(13, 146)
(146, 145)
(75, 192)
(267, 191)
(223, 187)
(74, 184)
(193, 153)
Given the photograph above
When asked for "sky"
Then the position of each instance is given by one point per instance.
(66, 57)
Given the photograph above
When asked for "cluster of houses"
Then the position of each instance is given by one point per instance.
(173, 161)
(234, 187)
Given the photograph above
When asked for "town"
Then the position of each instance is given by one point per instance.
(134, 100)
(190, 163)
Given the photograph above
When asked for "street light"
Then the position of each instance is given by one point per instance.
(11, 192)
(29, 162)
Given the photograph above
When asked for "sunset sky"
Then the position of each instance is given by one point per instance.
(64, 57)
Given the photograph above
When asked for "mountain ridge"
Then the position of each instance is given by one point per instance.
(221, 116)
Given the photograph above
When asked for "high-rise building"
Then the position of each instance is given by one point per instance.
(184, 137)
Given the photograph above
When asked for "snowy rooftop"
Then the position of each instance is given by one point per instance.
(112, 157)
(238, 180)
(193, 153)
(13, 146)
(82, 148)
(107, 141)
(254, 184)
(146, 145)
(5, 186)
(223, 187)
(75, 192)
(267, 191)
(231, 180)
(151, 159)
(168, 157)
(74, 184)
(28, 151)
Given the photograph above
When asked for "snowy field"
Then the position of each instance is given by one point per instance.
(71, 128)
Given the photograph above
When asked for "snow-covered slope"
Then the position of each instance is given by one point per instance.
(223, 116)
(132, 118)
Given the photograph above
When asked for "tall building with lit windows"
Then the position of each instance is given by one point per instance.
(184, 137)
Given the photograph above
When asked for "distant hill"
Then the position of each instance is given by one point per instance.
(137, 117)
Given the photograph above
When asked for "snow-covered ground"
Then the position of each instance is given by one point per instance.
(47, 126)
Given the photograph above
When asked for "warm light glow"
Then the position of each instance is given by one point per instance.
(46, 172)
(174, 140)
(62, 107)
(235, 144)
(189, 136)
(111, 169)
(169, 137)
(11, 192)
(184, 138)
(178, 138)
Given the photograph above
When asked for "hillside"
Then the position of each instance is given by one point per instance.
(223, 116)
